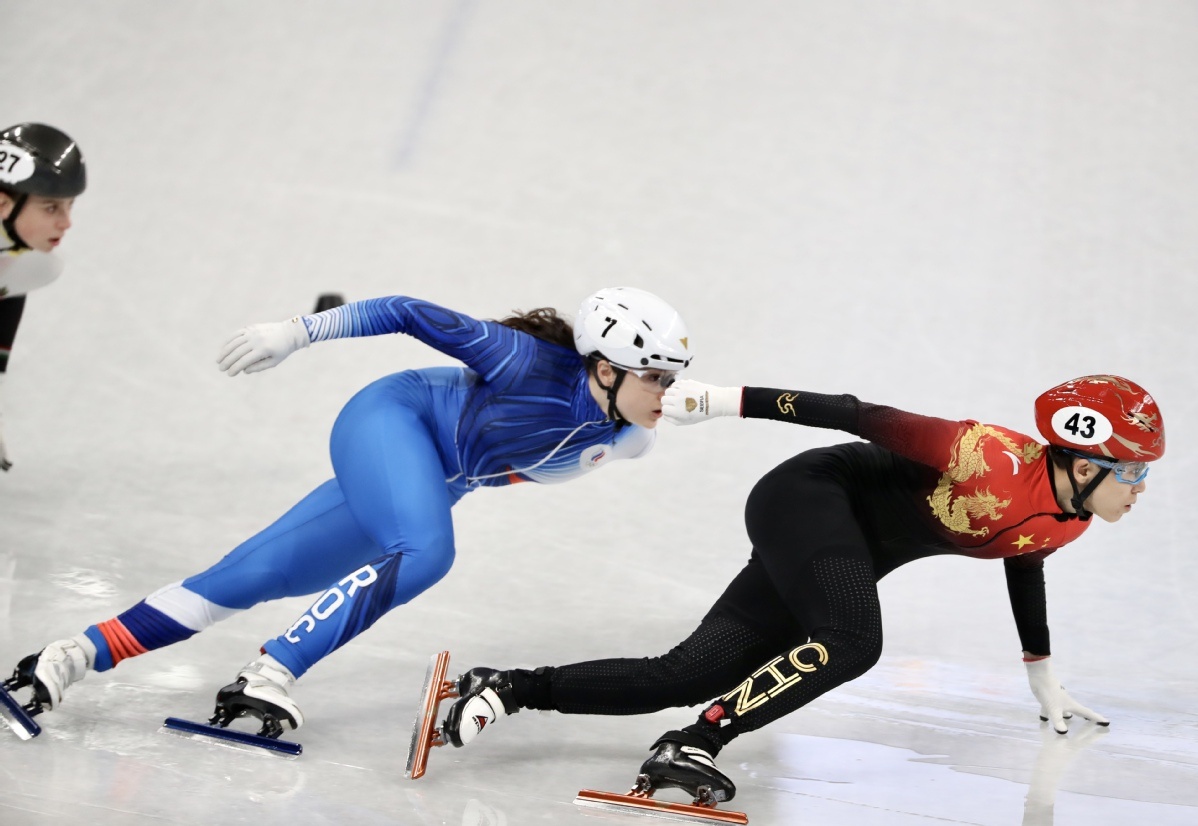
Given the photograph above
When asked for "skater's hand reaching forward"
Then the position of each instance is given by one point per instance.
(687, 402)
(1056, 706)
(262, 346)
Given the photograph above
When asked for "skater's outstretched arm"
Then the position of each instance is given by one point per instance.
(924, 439)
(482, 345)
(1025, 584)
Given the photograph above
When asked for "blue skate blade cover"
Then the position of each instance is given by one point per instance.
(233, 736)
(16, 717)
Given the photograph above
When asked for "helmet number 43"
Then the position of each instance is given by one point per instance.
(1082, 426)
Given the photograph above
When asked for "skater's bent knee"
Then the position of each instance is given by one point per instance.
(855, 651)
(430, 562)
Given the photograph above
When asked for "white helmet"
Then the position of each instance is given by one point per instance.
(632, 328)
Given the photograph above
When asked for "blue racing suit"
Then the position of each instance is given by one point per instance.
(404, 450)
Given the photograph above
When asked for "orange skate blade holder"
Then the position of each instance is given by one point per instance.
(637, 802)
(425, 734)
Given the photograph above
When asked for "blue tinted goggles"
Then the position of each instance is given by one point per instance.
(1129, 473)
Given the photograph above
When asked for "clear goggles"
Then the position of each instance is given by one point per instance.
(653, 376)
(1129, 473)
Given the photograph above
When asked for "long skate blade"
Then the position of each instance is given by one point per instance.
(424, 728)
(16, 717)
(638, 804)
(231, 737)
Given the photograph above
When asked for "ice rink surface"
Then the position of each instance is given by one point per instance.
(943, 206)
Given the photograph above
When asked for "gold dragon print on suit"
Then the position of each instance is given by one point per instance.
(967, 462)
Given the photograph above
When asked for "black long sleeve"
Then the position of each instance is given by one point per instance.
(1029, 602)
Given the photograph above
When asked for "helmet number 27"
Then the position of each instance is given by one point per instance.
(15, 165)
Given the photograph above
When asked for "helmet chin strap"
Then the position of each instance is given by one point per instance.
(1080, 496)
(10, 223)
(613, 412)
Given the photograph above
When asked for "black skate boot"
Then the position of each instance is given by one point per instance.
(484, 696)
(261, 692)
(681, 761)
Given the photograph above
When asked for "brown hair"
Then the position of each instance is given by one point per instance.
(1060, 458)
(544, 323)
(1063, 457)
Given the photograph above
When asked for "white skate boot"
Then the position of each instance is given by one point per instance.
(51, 671)
(260, 691)
(47, 673)
(59, 665)
(485, 695)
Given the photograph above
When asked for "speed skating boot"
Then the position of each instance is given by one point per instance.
(260, 691)
(675, 765)
(52, 670)
(484, 695)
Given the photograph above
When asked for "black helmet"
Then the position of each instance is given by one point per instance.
(36, 159)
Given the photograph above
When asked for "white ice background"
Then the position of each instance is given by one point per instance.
(940, 205)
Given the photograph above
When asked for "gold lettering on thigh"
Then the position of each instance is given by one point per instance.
(820, 652)
(750, 695)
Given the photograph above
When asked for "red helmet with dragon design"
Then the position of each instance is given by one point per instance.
(1103, 416)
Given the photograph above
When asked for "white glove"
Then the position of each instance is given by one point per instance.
(262, 346)
(686, 402)
(5, 460)
(1056, 706)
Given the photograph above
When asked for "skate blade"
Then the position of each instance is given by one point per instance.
(425, 735)
(16, 717)
(647, 806)
(206, 732)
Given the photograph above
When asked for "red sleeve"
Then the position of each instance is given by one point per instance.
(923, 439)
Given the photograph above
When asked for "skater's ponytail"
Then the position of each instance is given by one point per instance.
(543, 323)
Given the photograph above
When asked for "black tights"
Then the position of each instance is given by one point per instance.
(801, 618)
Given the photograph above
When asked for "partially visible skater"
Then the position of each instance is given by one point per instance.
(41, 173)
(803, 616)
(538, 400)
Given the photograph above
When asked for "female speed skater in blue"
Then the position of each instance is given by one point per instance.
(538, 400)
